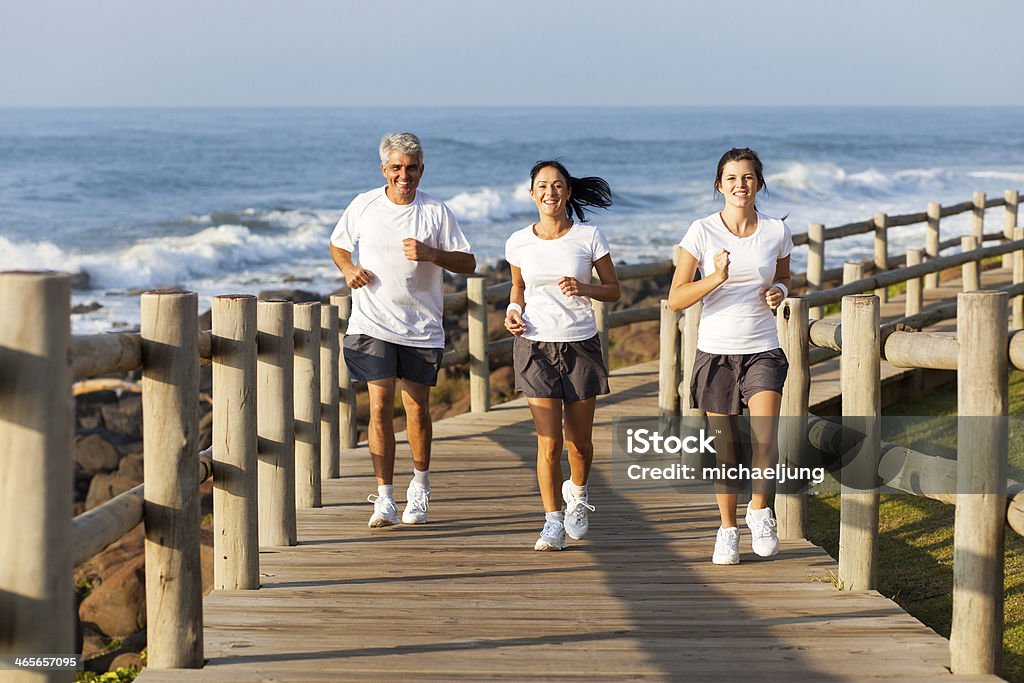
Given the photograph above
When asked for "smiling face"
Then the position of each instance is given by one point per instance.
(550, 192)
(403, 173)
(739, 183)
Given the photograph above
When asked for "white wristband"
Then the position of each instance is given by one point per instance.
(785, 290)
(513, 307)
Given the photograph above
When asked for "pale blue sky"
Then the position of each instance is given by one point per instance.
(484, 53)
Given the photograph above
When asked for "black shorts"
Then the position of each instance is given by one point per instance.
(570, 371)
(369, 358)
(724, 383)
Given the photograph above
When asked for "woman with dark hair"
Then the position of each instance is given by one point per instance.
(559, 364)
(744, 257)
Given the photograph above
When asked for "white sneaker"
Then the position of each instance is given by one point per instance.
(385, 512)
(417, 503)
(727, 546)
(552, 536)
(763, 536)
(577, 512)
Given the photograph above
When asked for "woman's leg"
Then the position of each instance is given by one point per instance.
(764, 429)
(579, 429)
(724, 428)
(547, 419)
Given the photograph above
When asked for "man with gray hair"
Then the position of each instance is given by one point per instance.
(402, 239)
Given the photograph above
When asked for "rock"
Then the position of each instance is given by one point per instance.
(103, 487)
(205, 431)
(127, 659)
(294, 295)
(108, 561)
(503, 384)
(131, 467)
(78, 309)
(81, 280)
(117, 606)
(125, 416)
(94, 454)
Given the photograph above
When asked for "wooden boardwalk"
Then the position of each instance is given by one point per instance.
(466, 598)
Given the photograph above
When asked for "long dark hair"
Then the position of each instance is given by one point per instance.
(584, 192)
(741, 154)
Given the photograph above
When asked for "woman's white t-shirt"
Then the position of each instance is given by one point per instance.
(735, 318)
(549, 314)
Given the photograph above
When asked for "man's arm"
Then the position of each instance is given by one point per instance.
(454, 261)
(355, 277)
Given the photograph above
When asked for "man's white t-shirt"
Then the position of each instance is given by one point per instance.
(735, 318)
(549, 314)
(403, 302)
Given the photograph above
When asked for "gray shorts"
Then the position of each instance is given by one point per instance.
(571, 371)
(369, 358)
(724, 383)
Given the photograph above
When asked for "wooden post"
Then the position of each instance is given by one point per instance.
(235, 516)
(275, 406)
(479, 362)
(170, 422)
(976, 634)
(852, 272)
(36, 489)
(346, 394)
(601, 310)
(1018, 277)
(881, 251)
(306, 396)
(861, 388)
(330, 444)
(931, 244)
(978, 217)
(1011, 198)
(691, 321)
(971, 270)
(914, 295)
(668, 361)
(815, 262)
(794, 335)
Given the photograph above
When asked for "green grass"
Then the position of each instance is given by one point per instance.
(915, 551)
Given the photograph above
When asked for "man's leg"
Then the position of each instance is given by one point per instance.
(419, 428)
(382, 428)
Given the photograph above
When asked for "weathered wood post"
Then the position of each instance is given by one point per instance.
(815, 262)
(330, 444)
(37, 611)
(479, 362)
(306, 396)
(852, 272)
(794, 335)
(690, 323)
(170, 423)
(275, 343)
(861, 387)
(914, 294)
(976, 635)
(235, 515)
(346, 394)
(601, 311)
(978, 217)
(1018, 277)
(1011, 199)
(881, 222)
(931, 243)
(971, 270)
(668, 361)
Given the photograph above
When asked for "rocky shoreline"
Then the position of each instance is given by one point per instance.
(110, 587)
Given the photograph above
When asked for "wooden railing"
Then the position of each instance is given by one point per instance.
(284, 407)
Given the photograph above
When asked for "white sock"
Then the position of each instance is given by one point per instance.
(386, 490)
(578, 491)
(421, 477)
(554, 516)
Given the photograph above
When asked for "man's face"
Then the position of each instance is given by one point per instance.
(403, 173)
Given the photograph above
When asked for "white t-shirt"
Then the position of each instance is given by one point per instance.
(403, 302)
(735, 318)
(549, 314)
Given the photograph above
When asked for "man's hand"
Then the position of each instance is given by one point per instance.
(356, 277)
(414, 250)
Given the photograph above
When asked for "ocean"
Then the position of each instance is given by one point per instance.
(241, 200)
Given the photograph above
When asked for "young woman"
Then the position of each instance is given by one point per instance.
(744, 257)
(557, 355)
